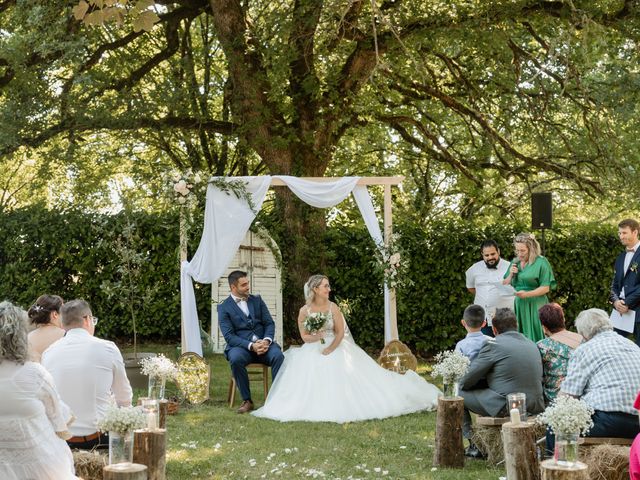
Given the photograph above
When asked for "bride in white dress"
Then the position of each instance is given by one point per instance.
(336, 381)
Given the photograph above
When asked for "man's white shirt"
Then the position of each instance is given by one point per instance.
(484, 280)
(89, 375)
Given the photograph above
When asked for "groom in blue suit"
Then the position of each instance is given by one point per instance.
(625, 288)
(248, 329)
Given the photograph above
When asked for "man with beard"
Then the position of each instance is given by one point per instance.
(484, 280)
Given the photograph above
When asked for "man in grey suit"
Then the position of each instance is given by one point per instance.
(508, 363)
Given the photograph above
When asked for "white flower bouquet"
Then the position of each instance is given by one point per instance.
(314, 322)
(451, 366)
(567, 415)
(122, 420)
(159, 367)
(390, 261)
(183, 184)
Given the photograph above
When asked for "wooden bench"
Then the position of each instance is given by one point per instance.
(606, 441)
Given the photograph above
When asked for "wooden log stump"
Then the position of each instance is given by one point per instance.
(163, 407)
(122, 471)
(520, 457)
(552, 471)
(150, 449)
(449, 451)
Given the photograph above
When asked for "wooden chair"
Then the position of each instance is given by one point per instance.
(258, 372)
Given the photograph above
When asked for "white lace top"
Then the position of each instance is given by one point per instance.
(31, 413)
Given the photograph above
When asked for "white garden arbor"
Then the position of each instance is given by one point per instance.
(228, 217)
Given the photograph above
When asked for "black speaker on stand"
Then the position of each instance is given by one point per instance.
(541, 213)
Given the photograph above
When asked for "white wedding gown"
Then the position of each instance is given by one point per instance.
(344, 386)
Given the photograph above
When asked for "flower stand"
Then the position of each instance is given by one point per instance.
(449, 450)
(520, 457)
(552, 471)
(130, 471)
(150, 449)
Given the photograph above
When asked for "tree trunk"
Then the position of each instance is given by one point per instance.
(551, 471)
(520, 451)
(301, 241)
(133, 471)
(449, 449)
(150, 449)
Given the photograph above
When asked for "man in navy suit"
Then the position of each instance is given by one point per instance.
(625, 288)
(248, 329)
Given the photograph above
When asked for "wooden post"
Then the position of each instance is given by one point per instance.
(163, 406)
(183, 257)
(520, 456)
(388, 231)
(150, 449)
(449, 451)
(552, 471)
(121, 471)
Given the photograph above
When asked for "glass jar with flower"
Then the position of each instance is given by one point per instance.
(451, 366)
(120, 424)
(567, 417)
(159, 369)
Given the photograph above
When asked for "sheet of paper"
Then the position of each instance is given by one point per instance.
(504, 290)
(624, 321)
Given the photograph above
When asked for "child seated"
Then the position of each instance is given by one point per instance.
(473, 320)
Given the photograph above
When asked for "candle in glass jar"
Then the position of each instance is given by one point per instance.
(514, 413)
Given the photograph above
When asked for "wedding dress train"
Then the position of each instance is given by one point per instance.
(344, 386)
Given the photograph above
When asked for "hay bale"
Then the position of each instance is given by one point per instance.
(488, 439)
(89, 464)
(606, 462)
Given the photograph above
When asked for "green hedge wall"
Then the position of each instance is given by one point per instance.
(76, 255)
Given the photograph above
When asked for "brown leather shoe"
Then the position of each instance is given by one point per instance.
(246, 407)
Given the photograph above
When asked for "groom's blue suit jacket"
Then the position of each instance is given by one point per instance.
(630, 280)
(238, 329)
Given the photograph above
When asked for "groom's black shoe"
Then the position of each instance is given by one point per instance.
(473, 452)
(246, 407)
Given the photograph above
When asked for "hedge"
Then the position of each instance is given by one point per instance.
(81, 255)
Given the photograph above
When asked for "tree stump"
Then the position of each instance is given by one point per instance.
(163, 406)
(551, 471)
(150, 449)
(121, 471)
(449, 451)
(520, 457)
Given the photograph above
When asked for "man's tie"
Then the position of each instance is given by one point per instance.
(631, 250)
(241, 299)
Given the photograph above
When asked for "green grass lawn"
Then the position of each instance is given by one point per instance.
(211, 441)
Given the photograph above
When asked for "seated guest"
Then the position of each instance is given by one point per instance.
(604, 371)
(33, 419)
(555, 349)
(473, 320)
(634, 454)
(45, 315)
(86, 371)
(508, 363)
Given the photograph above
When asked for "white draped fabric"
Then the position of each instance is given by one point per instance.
(227, 219)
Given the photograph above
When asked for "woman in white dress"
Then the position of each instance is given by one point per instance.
(33, 419)
(336, 381)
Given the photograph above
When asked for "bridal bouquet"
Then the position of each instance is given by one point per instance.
(567, 415)
(314, 322)
(451, 366)
(159, 367)
(122, 420)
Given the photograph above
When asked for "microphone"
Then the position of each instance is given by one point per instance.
(515, 263)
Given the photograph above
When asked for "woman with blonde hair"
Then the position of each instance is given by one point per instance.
(331, 379)
(532, 277)
(33, 419)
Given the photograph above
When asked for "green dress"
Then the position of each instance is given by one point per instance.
(529, 278)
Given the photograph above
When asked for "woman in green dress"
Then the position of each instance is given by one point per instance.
(531, 275)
